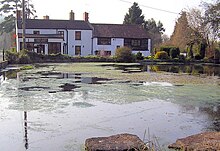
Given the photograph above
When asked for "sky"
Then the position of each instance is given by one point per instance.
(113, 11)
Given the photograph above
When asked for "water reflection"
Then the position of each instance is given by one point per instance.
(25, 130)
(193, 69)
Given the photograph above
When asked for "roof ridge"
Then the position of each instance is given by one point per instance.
(54, 20)
(115, 24)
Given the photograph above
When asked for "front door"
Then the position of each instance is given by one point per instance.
(40, 49)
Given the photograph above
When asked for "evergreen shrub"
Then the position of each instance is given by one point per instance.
(174, 52)
(161, 55)
(139, 56)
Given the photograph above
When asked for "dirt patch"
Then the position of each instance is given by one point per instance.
(207, 141)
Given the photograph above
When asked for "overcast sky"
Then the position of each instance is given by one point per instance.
(113, 11)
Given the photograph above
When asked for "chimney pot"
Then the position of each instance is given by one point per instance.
(86, 16)
(18, 14)
(72, 15)
(46, 17)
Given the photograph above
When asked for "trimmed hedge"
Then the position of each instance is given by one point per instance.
(172, 51)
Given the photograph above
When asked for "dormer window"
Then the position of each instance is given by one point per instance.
(36, 32)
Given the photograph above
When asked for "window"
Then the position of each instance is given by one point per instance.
(117, 47)
(78, 35)
(54, 48)
(36, 32)
(144, 43)
(104, 41)
(77, 50)
(136, 42)
(61, 33)
(127, 42)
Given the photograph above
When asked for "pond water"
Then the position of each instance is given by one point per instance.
(43, 109)
(191, 69)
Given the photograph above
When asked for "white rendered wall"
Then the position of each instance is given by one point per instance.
(85, 42)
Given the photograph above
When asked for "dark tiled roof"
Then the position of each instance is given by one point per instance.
(41, 36)
(119, 31)
(55, 24)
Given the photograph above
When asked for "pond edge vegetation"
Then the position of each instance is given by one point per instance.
(123, 54)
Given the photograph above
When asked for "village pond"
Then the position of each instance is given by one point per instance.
(57, 106)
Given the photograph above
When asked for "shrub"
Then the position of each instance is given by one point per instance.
(139, 56)
(11, 56)
(198, 57)
(174, 52)
(24, 57)
(182, 58)
(217, 53)
(166, 49)
(124, 54)
(149, 57)
(161, 55)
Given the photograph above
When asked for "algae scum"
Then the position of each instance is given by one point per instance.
(47, 109)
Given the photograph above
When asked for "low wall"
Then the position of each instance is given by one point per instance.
(3, 64)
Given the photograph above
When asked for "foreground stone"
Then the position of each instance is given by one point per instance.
(207, 141)
(120, 142)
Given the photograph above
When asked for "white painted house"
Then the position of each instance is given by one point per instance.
(79, 37)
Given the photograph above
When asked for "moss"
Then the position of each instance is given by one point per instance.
(27, 67)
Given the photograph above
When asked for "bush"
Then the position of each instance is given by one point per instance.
(182, 58)
(198, 57)
(139, 56)
(149, 57)
(174, 52)
(24, 57)
(217, 53)
(161, 55)
(11, 56)
(166, 49)
(124, 54)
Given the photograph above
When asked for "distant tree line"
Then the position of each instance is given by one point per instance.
(197, 31)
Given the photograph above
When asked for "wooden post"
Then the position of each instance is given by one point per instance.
(23, 24)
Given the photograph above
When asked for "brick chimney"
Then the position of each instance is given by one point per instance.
(72, 15)
(86, 16)
(46, 17)
(18, 14)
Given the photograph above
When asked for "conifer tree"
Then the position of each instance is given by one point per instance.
(134, 15)
(182, 33)
(8, 9)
